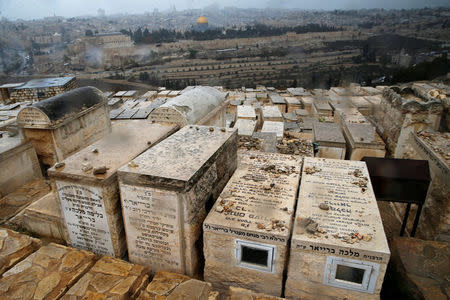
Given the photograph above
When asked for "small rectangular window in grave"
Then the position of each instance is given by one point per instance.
(255, 256)
(351, 274)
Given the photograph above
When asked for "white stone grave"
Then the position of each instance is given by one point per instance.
(167, 191)
(246, 233)
(87, 188)
(338, 248)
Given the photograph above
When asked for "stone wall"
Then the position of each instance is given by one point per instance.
(399, 116)
(435, 218)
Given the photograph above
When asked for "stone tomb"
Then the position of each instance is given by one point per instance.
(46, 274)
(271, 113)
(61, 125)
(292, 103)
(278, 101)
(330, 140)
(363, 105)
(338, 247)
(13, 203)
(246, 112)
(43, 218)
(363, 140)
(349, 115)
(277, 127)
(18, 163)
(172, 286)
(167, 191)
(322, 108)
(307, 103)
(246, 234)
(109, 278)
(14, 247)
(87, 186)
(245, 127)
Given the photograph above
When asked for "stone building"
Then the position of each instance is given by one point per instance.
(39, 89)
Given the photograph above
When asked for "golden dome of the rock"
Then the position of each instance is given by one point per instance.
(202, 20)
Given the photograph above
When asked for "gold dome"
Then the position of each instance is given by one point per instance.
(202, 20)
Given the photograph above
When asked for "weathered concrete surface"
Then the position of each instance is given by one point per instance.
(14, 247)
(173, 286)
(16, 201)
(418, 270)
(109, 278)
(46, 274)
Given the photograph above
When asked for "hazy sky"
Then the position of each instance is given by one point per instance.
(29, 9)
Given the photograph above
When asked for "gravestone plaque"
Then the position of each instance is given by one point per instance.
(252, 219)
(89, 197)
(337, 234)
(165, 191)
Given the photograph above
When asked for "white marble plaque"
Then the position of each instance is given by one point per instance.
(85, 216)
(152, 224)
